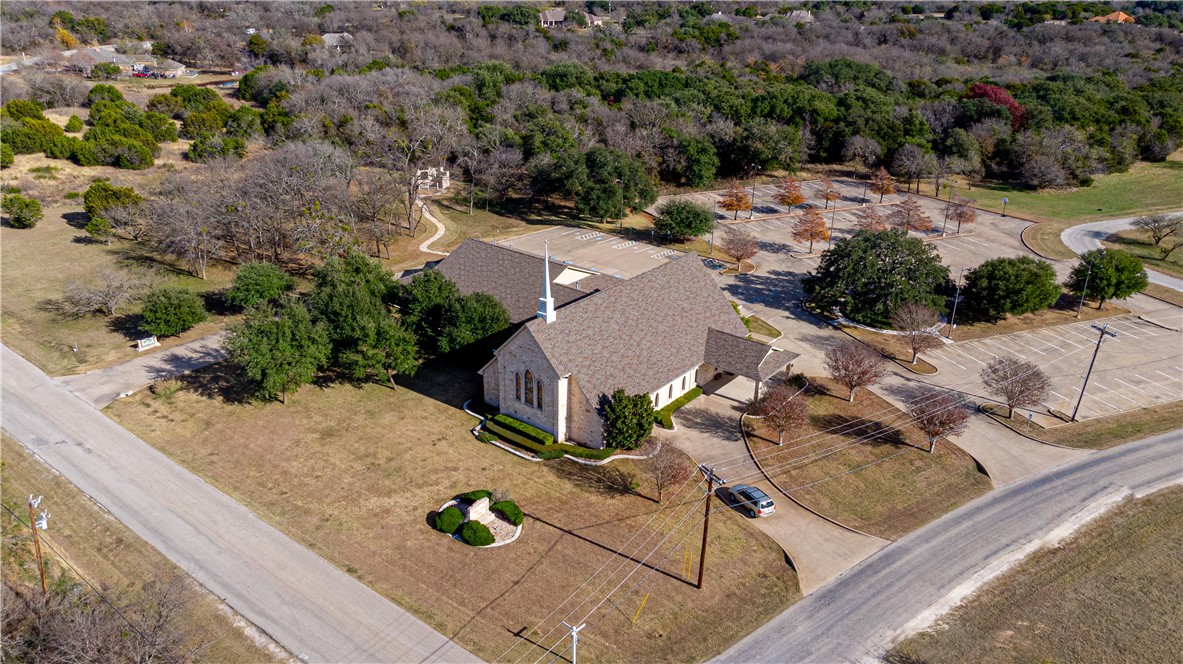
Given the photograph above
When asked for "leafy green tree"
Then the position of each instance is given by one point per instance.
(168, 312)
(384, 346)
(103, 92)
(683, 219)
(74, 124)
(279, 347)
(6, 155)
(257, 46)
(871, 275)
(442, 319)
(1110, 274)
(349, 295)
(22, 212)
(244, 122)
(200, 124)
(614, 181)
(1009, 286)
(258, 282)
(101, 195)
(99, 229)
(471, 318)
(628, 420)
(105, 71)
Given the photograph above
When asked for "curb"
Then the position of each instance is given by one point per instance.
(1154, 322)
(990, 416)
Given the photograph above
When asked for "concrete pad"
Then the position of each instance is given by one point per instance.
(104, 386)
(623, 256)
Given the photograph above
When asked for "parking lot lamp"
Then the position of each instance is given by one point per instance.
(945, 223)
(1004, 202)
(1088, 273)
(830, 240)
(956, 299)
(864, 196)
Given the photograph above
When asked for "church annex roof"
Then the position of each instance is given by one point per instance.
(513, 278)
(642, 333)
(742, 356)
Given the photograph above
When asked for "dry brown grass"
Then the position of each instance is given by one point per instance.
(1103, 432)
(1165, 294)
(893, 346)
(1062, 313)
(38, 263)
(1111, 594)
(354, 473)
(1140, 244)
(909, 488)
(109, 555)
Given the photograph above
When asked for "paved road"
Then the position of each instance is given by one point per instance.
(1087, 237)
(303, 602)
(708, 430)
(857, 616)
(103, 386)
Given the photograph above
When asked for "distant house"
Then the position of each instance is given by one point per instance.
(800, 16)
(84, 59)
(595, 21)
(165, 68)
(551, 18)
(1115, 17)
(342, 41)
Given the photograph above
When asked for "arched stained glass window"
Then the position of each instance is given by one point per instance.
(529, 388)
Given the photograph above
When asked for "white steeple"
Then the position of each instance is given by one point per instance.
(546, 303)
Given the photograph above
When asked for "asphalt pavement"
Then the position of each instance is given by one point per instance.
(859, 615)
(1087, 237)
(307, 605)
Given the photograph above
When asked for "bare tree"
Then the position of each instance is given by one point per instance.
(917, 321)
(669, 467)
(938, 413)
(783, 408)
(854, 364)
(912, 162)
(1018, 382)
(829, 192)
(1158, 226)
(866, 151)
(182, 226)
(910, 216)
(497, 172)
(114, 289)
(869, 219)
(740, 244)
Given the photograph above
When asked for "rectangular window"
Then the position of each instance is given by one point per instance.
(539, 395)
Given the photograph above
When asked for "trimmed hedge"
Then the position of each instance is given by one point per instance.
(449, 520)
(475, 533)
(473, 496)
(664, 417)
(520, 428)
(509, 510)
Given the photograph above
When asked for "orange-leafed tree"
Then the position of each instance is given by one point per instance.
(964, 214)
(830, 192)
(882, 183)
(910, 216)
(789, 192)
(810, 227)
(869, 219)
(736, 199)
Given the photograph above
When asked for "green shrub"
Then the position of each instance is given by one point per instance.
(485, 437)
(258, 282)
(73, 194)
(102, 92)
(22, 212)
(548, 454)
(18, 109)
(212, 146)
(198, 124)
(105, 71)
(171, 311)
(448, 520)
(473, 496)
(509, 510)
(664, 417)
(520, 428)
(74, 124)
(6, 155)
(475, 533)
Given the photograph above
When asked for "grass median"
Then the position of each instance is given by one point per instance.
(1102, 432)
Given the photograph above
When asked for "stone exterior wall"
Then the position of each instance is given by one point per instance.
(517, 356)
(491, 375)
(584, 424)
(674, 389)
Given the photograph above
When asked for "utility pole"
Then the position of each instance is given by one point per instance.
(830, 240)
(574, 640)
(956, 299)
(706, 520)
(1104, 331)
(41, 523)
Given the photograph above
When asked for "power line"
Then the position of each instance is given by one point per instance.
(96, 591)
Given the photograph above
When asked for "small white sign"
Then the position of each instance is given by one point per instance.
(146, 343)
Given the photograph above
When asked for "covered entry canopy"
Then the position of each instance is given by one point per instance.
(744, 357)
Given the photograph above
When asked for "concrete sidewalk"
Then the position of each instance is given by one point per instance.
(312, 608)
(103, 386)
(708, 430)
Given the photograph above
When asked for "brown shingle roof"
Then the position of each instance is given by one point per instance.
(641, 334)
(740, 355)
(513, 277)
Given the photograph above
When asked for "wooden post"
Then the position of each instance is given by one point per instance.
(706, 525)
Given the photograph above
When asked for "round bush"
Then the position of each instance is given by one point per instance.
(171, 311)
(475, 533)
(473, 496)
(509, 510)
(449, 520)
(258, 282)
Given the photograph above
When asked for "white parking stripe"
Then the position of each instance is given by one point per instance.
(1072, 343)
(958, 350)
(1135, 387)
(1118, 394)
(1122, 330)
(991, 341)
(946, 359)
(1173, 378)
(970, 239)
(1015, 338)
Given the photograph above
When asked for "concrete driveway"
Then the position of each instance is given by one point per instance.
(103, 386)
(1087, 237)
(708, 430)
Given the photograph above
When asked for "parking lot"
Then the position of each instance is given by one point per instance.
(854, 194)
(608, 253)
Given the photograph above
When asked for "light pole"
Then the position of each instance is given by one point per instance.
(1004, 202)
(956, 299)
(38, 524)
(1085, 290)
(620, 227)
(945, 223)
(574, 641)
(864, 196)
(755, 170)
(830, 239)
(1104, 331)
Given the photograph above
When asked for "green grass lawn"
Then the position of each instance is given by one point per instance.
(1139, 244)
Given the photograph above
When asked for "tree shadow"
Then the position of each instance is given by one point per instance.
(133, 256)
(711, 422)
(224, 381)
(604, 480)
(609, 549)
(869, 432)
(77, 220)
(128, 325)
